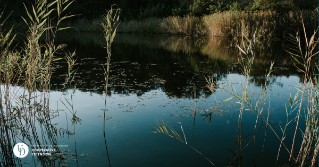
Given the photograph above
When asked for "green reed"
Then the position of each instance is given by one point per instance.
(111, 20)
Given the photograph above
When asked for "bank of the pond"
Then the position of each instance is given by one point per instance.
(231, 24)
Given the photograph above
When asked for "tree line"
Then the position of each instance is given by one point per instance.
(141, 9)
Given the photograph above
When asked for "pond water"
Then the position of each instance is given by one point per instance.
(163, 79)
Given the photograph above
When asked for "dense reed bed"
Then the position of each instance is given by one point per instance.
(267, 24)
(232, 24)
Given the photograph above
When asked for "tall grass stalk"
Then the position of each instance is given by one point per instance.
(110, 23)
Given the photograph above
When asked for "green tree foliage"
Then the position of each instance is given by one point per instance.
(205, 7)
(159, 10)
(141, 9)
(182, 9)
(268, 5)
(306, 4)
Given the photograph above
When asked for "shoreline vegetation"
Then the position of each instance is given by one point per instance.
(227, 24)
(233, 19)
(230, 24)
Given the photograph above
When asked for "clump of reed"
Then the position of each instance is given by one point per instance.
(30, 69)
(267, 24)
(230, 24)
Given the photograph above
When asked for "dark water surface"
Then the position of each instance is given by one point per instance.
(163, 78)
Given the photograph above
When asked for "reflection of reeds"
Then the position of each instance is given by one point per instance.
(249, 101)
(201, 54)
(303, 60)
(219, 49)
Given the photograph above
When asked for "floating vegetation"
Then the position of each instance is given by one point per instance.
(64, 164)
(84, 155)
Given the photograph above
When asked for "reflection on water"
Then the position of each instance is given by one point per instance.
(172, 63)
(154, 78)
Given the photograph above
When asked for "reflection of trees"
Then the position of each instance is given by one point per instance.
(139, 70)
(171, 63)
